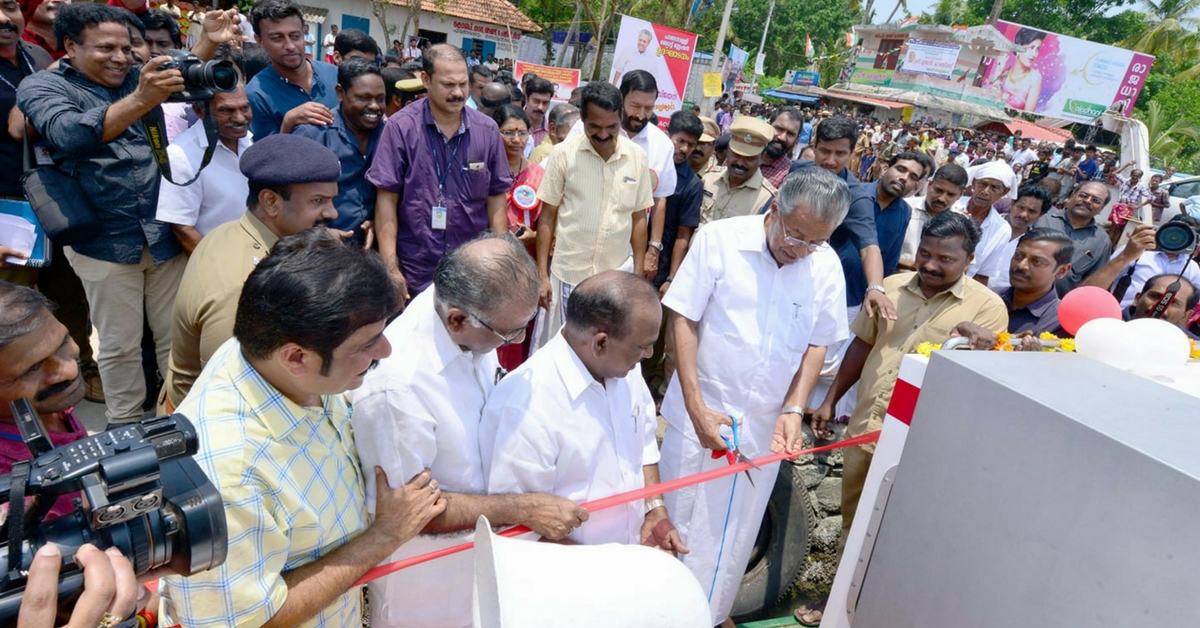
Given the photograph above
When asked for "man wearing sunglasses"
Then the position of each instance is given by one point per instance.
(421, 409)
(754, 305)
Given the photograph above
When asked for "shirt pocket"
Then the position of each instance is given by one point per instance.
(800, 319)
(476, 182)
(625, 196)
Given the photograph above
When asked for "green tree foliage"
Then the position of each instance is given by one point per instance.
(1084, 19)
(822, 20)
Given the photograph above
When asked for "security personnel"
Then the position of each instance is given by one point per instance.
(702, 159)
(739, 188)
(292, 180)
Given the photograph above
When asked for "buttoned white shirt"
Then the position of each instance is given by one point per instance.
(997, 274)
(660, 155)
(1153, 263)
(996, 232)
(550, 427)
(420, 409)
(920, 216)
(756, 319)
(218, 196)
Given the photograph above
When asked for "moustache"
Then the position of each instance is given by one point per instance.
(8, 28)
(1020, 273)
(602, 140)
(932, 273)
(53, 389)
(236, 126)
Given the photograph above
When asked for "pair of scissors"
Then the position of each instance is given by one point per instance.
(733, 453)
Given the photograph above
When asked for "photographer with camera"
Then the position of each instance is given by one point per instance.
(275, 437)
(1150, 252)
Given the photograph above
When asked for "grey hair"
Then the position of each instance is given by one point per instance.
(647, 33)
(20, 311)
(563, 112)
(826, 194)
(480, 281)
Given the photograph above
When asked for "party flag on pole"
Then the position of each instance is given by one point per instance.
(808, 47)
(909, 23)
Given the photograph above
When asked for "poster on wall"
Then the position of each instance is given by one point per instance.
(565, 79)
(930, 58)
(662, 51)
(731, 75)
(1064, 77)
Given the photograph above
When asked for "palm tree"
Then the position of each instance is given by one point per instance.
(1171, 31)
(1165, 135)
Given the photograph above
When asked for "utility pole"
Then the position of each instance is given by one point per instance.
(762, 45)
(716, 60)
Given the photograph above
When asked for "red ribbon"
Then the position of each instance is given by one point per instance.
(622, 498)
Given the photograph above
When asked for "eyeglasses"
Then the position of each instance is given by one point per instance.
(508, 338)
(812, 247)
(508, 135)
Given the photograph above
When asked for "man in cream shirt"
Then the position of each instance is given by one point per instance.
(577, 420)
(421, 409)
(754, 306)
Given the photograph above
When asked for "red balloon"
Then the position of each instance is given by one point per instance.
(1085, 304)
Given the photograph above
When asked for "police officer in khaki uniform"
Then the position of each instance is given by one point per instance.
(292, 181)
(702, 160)
(739, 188)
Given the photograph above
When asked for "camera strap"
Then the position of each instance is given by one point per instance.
(1123, 283)
(1168, 297)
(154, 123)
(15, 523)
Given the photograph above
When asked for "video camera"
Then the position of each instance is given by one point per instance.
(142, 493)
(200, 78)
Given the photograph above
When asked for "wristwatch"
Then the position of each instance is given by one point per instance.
(876, 287)
(654, 503)
(657, 245)
(792, 410)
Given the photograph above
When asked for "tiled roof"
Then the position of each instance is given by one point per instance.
(498, 12)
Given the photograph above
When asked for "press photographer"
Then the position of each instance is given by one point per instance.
(106, 181)
(1168, 250)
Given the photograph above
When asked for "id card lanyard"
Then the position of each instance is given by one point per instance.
(442, 171)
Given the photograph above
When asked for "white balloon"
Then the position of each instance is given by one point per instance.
(1109, 341)
(1161, 346)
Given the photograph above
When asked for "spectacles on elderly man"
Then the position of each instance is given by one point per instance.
(508, 337)
(812, 247)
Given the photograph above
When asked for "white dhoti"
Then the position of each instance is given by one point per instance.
(719, 520)
(549, 322)
(402, 599)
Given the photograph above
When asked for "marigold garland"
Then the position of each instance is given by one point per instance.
(1004, 343)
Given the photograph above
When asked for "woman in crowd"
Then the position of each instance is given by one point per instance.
(523, 203)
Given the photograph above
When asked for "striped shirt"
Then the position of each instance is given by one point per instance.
(293, 492)
(596, 202)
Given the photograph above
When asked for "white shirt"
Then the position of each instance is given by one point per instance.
(412, 52)
(420, 409)
(218, 196)
(660, 154)
(630, 60)
(1153, 263)
(1023, 158)
(756, 320)
(998, 273)
(912, 236)
(574, 437)
(996, 233)
(329, 39)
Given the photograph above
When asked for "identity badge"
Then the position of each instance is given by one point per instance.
(439, 218)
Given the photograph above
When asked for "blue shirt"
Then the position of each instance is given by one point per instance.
(271, 96)
(1037, 317)
(806, 133)
(1088, 168)
(868, 224)
(355, 201)
(682, 210)
(119, 177)
(844, 175)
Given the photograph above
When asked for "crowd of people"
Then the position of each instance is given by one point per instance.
(383, 255)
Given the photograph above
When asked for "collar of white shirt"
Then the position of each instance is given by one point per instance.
(575, 375)
(445, 349)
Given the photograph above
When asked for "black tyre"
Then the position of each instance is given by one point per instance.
(781, 550)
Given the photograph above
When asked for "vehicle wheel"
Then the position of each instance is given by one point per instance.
(781, 550)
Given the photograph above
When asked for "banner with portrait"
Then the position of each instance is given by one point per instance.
(660, 50)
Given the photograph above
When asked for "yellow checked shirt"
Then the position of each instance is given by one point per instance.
(746, 199)
(596, 201)
(293, 492)
(917, 320)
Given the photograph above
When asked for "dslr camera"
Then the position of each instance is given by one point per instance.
(141, 492)
(200, 78)
(1177, 236)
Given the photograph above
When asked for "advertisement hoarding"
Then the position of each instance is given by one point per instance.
(805, 79)
(929, 58)
(1064, 77)
(565, 79)
(664, 52)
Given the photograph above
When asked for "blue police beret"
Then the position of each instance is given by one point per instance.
(283, 159)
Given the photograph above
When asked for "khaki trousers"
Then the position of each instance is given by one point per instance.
(855, 464)
(118, 296)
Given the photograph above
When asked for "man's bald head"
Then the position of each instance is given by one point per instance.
(606, 302)
(493, 96)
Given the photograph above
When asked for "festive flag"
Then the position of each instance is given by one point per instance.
(849, 39)
(808, 47)
(759, 61)
(909, 23)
